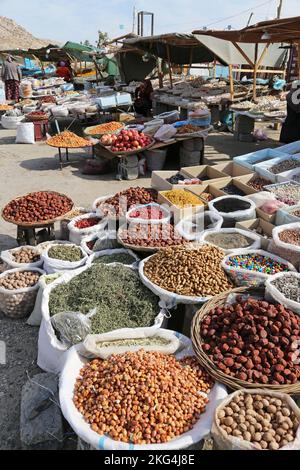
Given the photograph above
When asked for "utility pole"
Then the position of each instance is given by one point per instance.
(250, 18)
(279, 9)
(134, 19)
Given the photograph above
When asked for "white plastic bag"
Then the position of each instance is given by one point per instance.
(193, 227)
(71, 369)
(8, 259)
(25, 133)
(225, 442)
(255, 240)
(53, 265)
(50, 349)
(165, 220)
(72, 327)
(261, 198)
(117, 251)
(231, 218)
(245, 277)
(284, 216)
(290, 255)
(36, 315)
(287, 246)
(273, 294)
(18, 303)
(8, 122)
(93, 347)
(77, 234)
(165, 133)
(106, 241)
(60, 111)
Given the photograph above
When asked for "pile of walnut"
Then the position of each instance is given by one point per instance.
(265, 421)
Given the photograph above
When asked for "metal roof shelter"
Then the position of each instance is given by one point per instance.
(262, 36)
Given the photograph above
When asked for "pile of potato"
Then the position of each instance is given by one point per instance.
(266, 421)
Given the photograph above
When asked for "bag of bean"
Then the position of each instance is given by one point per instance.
(121, 255)
(130, 339)
(51, 349)
(257, 420)
(288, 237)
(232, 239)
(18, 291)
(74, 362)
(36, 315)
(254, 267)
(85, 225)
(233, 209)
(65, 257)
(284, 289)
(22, 257)
(193, 227)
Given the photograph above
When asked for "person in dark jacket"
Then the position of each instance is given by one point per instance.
(11, 76)
(143, 98)
(291, 127)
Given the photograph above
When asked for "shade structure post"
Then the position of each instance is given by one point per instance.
(169, 64)
(231, 82)
(255, 72)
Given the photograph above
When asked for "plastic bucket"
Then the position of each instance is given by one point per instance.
(155, 159)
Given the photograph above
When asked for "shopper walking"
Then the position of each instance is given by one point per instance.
(11, 76)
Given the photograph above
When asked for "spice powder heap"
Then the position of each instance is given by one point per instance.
(142, 397)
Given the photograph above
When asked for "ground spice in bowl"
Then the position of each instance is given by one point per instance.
(227, 241)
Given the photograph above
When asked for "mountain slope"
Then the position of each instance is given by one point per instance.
(14, 36)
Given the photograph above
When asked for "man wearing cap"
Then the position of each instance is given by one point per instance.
(11, 76)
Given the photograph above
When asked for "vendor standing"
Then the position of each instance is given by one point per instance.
(291, 127)
(143, 98)
(11, 76)
(63, 71)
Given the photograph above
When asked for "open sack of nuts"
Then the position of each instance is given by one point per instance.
(178, 385)
(186, 274)
(18, 291)
(22, 257)
(257, 420)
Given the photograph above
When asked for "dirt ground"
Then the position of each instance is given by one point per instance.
(26, 168)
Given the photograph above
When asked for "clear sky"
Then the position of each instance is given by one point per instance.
(77, 20)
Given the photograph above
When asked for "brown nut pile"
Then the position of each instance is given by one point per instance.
(254, 341)
(19, 280)
(26, 255)
(258, 183)
(151, 236)
(118, 205)
(142, 397)
(291, 237)
(18, 305)
(267, 422)
(188, 271)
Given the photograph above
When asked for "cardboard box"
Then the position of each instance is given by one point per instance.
(213, 189)
(160, 183)
(232, 169)
(263, 215)
(247, 190)
(209, 173)
(253, 225)
(180, 213)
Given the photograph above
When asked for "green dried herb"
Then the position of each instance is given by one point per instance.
(122, 258)
(117, 293)
(65, 253)
(153, 341)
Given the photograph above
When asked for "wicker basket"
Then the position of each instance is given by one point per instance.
(231, 382)
(42, 223)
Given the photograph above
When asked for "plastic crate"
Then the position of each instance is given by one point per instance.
(251, 159)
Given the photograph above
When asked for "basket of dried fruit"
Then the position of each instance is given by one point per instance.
(68, 139)
(37, 209)
(102, 129)
(245, 342)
